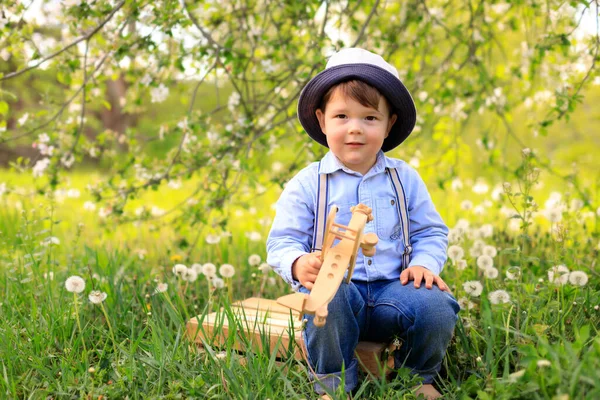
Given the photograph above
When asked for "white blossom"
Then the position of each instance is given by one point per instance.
(213, 239)
(159, 94)
(209, 270)
(189, 275)
(265, 268)
(491, 273)
(543, 363)
(254, 236)
(40, 167)
(455, 253)
(461, 265)
(513, 272)
(485, 262)
(466, 205)
(489, 251)
(218, 283)
(179, 269)
(161, 287)
(558, 274)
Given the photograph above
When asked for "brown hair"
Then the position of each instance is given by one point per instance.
(359, 91)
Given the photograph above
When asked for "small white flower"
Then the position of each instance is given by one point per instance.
(265, 268)
(491, 273)
(21, 121)
(553, 214)
(473, 288)
(465, 303)
(516, 375)
(461, 265)
(543, 363)
(455, 253)
(209, 270)
(50, 240)
(97, 297)
(221, 355)
(179, 269)
(480, 187)
(526, 152)
(486, 231)
(75, 284)
(499, 296)
(489, 251)
(159, 94)
(578, 278)
(161, 287)
(226, 270)
(89, 206)
(466, 205)
(485, 262)
(40, 167)
(254, 260)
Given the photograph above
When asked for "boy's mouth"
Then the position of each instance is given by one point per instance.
(354, 144)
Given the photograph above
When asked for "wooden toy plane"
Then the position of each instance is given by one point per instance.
(335, 261)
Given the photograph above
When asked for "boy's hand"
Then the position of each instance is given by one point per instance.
(306, 268)
(418, 273)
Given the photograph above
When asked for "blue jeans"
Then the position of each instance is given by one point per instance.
(423, 319)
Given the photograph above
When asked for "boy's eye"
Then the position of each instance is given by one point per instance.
(341, 116)
(371, 118)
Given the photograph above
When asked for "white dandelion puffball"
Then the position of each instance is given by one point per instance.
(461, 265)
(189, 275)
(226, 270)
(486, 230)
(209, 270)
(466, 205)
(473, 288)
(265, 268)
(254, 260)
(179, 269)
(213, 239)
(272, 281)
(75, 284)
(558, 274)
(578, 278)
(485, 262)
(97, 297)
(161, 287)
(491, 273)
(455, 253)
(253, 236)
(553, 214)
(197, 267)
(499, 296)
(489, 251)
(218, 283)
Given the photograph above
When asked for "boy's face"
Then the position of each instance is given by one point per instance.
(355, 133)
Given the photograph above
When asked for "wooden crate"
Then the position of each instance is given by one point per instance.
(267, 323)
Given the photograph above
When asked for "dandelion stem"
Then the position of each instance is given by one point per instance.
(112, 333)
(79, 323)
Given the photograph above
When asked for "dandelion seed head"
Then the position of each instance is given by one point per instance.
(513, 273)
(491, 273)
(466, 205)
(265, 268)
(461, 265)
(75, 284)
(161, 287)
(272, 281)
(197, 267)
(97, 297)
(254, 260)
(578, 278)
(227, 270)
(209, 270)
(558, 274)
(213, 239)
(485, 262)
(499, 296)
(179, 269)
(489, 251)
(455, 253)
(473, 288)
(218, 283)
(189, 275)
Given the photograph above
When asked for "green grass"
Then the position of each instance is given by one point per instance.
(542, 344)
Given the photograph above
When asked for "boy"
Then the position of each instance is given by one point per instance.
(359, 108)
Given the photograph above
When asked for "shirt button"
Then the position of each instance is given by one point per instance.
(370, 262)
(393, 202)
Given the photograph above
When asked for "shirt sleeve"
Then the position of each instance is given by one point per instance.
(428, 232)
(292, 230)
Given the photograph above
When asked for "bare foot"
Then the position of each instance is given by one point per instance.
(428, 391)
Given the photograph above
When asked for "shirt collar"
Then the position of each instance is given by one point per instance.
(330, 163)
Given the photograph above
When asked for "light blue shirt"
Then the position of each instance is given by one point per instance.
(292, 230)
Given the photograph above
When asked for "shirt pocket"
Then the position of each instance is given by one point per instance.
(387, 221)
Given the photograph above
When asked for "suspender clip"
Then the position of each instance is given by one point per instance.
(408, 250)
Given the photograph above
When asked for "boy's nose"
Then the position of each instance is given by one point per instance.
(354, 127)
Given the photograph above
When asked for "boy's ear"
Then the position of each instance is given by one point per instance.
(391, 123)
(321, 117)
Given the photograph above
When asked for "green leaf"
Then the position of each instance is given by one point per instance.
(3, 107)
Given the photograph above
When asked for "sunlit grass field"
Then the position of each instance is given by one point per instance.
(528, 329)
